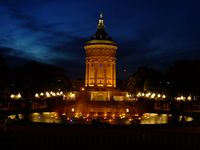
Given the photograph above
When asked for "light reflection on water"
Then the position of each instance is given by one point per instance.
(46, 117)
(78, 118)
(154, 118)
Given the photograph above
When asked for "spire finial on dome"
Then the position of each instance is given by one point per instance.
(101, 15)
(100, 24)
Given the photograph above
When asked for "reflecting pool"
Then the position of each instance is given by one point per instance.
(111, 118)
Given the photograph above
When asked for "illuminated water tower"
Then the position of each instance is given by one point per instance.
(100, 73)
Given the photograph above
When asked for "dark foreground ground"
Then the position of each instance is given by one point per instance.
(97, 136)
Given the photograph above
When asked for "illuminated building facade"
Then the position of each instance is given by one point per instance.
(100, 72)
(100, 51)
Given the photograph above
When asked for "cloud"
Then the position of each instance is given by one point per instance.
(39, 41)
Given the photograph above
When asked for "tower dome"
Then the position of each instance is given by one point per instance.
(101, 36)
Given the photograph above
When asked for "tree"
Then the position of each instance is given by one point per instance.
(184, 76)
(3, 77)
(35, 77)
(145, 79)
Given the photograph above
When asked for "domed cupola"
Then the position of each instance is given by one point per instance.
(101, 35)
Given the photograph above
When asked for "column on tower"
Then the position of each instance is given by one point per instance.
(114, 74)
(86, 74)
(95, 72)
(105, 73)
(108, 74)
(100, 73)
(91, 72)
(88, 77)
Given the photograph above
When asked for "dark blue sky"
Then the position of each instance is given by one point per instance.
(154, 33)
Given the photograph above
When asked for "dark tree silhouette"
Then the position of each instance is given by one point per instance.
(35, 77)
(3, 77)
(145, 79)
(185, 77)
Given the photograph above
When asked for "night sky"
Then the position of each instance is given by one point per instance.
(154, 33)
